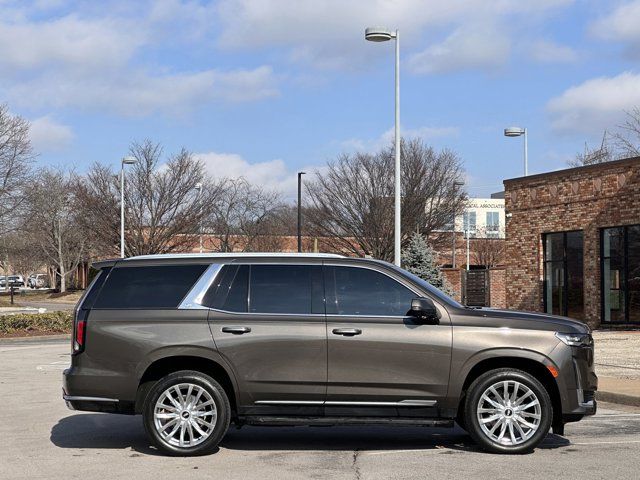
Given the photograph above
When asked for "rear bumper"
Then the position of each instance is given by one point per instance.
(77, 399)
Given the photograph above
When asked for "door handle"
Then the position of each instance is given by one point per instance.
(347, 332)
(236, 330)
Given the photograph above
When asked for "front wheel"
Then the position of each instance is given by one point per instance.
(186, 413)
(508, 411)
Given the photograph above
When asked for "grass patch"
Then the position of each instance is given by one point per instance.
(30, 323)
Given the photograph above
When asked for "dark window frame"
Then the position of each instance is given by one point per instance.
(565, 273)
(625, 286)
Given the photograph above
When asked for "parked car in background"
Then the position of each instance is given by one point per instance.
(195, 342)
(37, 280)
(14, 281)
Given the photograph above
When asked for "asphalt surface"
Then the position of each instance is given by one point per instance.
(50, 306)
(40, 438)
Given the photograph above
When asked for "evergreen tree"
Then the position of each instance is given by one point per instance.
(420, 259)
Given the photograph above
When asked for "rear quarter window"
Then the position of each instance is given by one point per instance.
(147, 286)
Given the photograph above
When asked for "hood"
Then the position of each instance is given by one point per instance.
(526, 320)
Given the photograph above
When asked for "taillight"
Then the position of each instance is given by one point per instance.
(79, 331)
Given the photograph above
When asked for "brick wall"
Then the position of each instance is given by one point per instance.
(586, 198)
(497, 288)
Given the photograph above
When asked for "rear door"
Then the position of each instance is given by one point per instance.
(268, 322)
(379, 360)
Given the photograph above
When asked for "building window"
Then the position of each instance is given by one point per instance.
(469, 222)
(493, 224)
(563, 274)
(620, 269)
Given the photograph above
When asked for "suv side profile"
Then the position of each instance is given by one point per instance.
(196, 342)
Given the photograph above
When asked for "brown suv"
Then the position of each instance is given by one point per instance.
(194, 342)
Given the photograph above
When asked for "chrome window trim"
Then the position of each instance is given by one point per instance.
(401, 403)
(193, 299)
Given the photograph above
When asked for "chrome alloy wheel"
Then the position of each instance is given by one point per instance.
(185, 415)
(509, 413)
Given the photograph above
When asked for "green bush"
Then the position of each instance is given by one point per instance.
(60, 322)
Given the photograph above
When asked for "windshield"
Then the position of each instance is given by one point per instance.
(440, 295)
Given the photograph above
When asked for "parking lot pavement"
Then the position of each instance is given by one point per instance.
(40, 438)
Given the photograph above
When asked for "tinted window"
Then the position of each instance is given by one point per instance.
(94, 289)
(148, 287)
(230, 290)
(285, 289)
(360, 291)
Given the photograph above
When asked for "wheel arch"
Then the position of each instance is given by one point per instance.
(535, 365)
(165, 365)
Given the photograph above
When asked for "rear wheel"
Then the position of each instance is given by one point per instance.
(507, 411)
(186, 413)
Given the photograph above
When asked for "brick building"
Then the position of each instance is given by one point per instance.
(573, 243)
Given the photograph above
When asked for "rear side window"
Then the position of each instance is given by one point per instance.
(148, 287)
(94, 288)
(293, 289)
(230, 291)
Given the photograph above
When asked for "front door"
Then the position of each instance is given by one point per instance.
(379, 360)
(268, 323)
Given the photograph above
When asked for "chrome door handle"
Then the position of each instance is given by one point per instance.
(236, 330)
(347, 332)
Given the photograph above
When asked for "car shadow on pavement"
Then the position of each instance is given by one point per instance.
(105, 431)
(101, 431)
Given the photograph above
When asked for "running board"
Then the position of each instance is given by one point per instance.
(330, 421)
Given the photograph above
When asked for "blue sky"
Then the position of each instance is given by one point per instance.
(263, 88)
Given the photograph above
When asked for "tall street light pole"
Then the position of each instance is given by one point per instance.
(516, 132)
(300, 211)
(198, 188)
(125, 161)
(377, 34)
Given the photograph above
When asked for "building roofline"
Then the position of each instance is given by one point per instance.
(595, 166)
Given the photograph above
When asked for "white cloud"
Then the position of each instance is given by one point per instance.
(47, 135)
(621, 25)
(92, 60)
(425, 133)
(479, 47)
(546, 51)
(330, 33)
(272, 175)
(596, 104)
(138, 93)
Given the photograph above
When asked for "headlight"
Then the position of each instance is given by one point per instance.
(575, 339)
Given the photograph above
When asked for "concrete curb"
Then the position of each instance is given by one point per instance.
(619, 398)
(36, 338)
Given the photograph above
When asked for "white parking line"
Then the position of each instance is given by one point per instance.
(54, 365)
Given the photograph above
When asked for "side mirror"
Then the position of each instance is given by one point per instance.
(424, 310)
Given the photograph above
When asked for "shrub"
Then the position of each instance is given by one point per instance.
(60, 322)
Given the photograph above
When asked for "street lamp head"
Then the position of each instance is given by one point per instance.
(198, 186)
(378, 34)
(129, 160)
(513, 131)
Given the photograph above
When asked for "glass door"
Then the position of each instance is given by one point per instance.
(563, 274)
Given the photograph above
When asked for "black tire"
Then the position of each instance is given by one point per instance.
(219, 398)
(474, 394)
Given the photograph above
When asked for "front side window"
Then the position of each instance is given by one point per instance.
(361, 291)
(148, 286)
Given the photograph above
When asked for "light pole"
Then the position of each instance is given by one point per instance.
(377, 34)
(300, 211)
(125, 161)
(456, 184)
(516, 132)
(198, 188)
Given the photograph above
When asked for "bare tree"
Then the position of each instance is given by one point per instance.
(592, 156)
(488, 250)
(163, 207)
(53, 223)
(627, 137)
(351, 205)
(16, 156)
(245, 218)
(18, 255)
